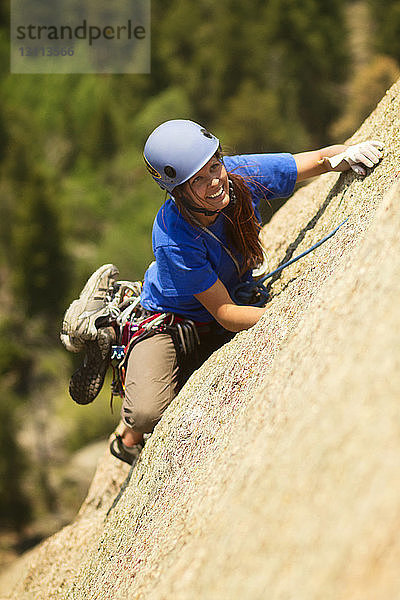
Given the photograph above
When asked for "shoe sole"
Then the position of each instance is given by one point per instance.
(88, 379)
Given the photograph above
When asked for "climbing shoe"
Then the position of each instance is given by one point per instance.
(80, 319)
(128, 454)
(88, 379)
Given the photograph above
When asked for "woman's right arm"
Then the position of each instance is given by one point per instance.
(228, 314)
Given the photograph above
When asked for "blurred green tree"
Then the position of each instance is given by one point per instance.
(40, 267)
(364, 92)
(255, 119)
(212, 49)
(386, 19)
(15, 506)
(15, 364)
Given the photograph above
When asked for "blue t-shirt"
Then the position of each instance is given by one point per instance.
(189, 260)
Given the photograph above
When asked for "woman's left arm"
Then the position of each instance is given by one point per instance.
(338, 158)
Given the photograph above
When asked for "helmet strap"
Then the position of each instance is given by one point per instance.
(198, 209)
(206, 211)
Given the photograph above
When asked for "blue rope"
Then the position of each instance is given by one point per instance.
(244, 292)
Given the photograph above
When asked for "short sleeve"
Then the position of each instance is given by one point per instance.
(184, 270)
(267, 175)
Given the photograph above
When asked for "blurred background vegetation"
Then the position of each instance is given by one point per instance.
(264, 75)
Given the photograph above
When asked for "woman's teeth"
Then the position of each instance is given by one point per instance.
(217, 193)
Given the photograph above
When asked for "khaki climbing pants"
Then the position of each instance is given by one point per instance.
(155, 372)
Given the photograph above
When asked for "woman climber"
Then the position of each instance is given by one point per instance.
(206, 243)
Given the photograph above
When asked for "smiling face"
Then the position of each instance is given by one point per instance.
(209, 187)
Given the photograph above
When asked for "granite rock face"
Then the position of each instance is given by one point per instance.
(274, 473)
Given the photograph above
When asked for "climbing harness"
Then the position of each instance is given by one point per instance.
(135, 324)
(184, 333)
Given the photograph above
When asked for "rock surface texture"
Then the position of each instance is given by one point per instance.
(275, 473)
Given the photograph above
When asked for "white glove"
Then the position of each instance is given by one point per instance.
(359, 156)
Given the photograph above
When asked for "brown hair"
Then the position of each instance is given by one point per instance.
(241, 224)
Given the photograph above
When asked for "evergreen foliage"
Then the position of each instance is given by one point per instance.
(365, 91)
(214, 49)
(386, 17)
(15, 506)
(39, 264)
(15, 364)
